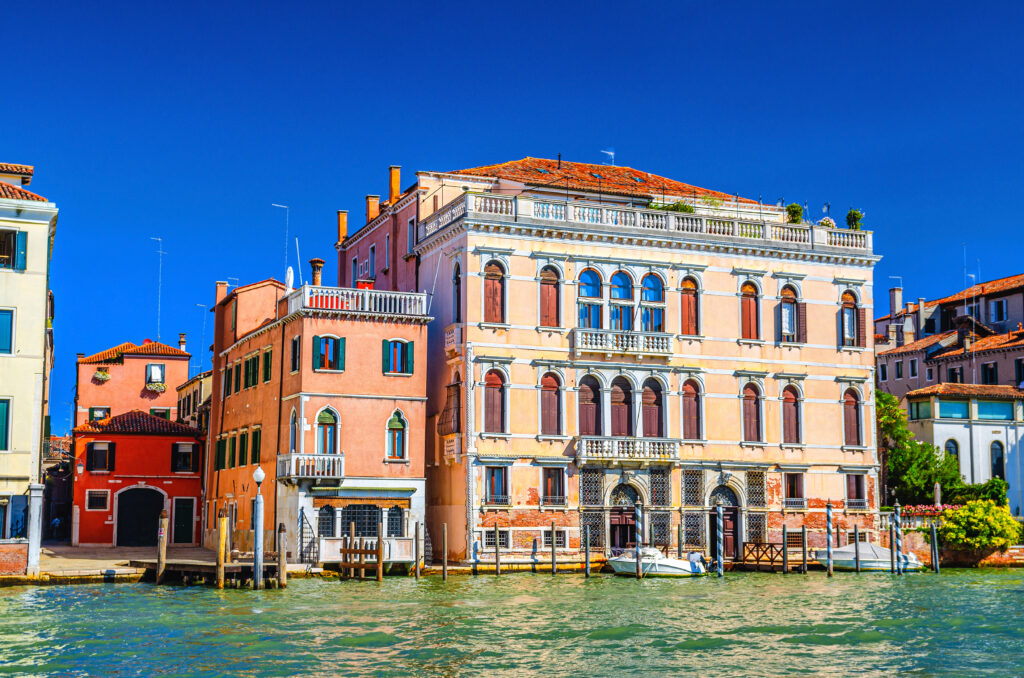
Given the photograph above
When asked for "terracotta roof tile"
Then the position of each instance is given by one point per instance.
(12, 192)
(108, 356)
(919, 345)
(970, 390)
(14, 168)
(990, 287)
(117, 353)
(138, 421)
(596, 178)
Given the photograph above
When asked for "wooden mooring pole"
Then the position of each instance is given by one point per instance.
(282, 556)
(785, 550)
(416, 544)
(444, 552)
(361, 544)
(679, 540)
(856, 547)
(380, 551)
(554, 568)
(352, 545)
(936, 556)
(222, 543)
(497, 552)
(803, 547)
(161, 546)
(892, 548)
(586, 550)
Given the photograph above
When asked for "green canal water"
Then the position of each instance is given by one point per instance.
(958, 623)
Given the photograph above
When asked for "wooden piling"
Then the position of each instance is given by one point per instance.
(892, 548)
(639, 564)
(679, 540)
(380, 551)
(444, 551)
(361, 545)
(586, 550)
(554, 568)
(282, 556)
(161, 546)
(222, 542)
(936, 556)
(416, 549)
(352, 544)
(785, 550)
(497, 552)
(856, 548)
(803, 547)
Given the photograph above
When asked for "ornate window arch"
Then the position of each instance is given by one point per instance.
(750, 314)
(751, 397)
(692, 406)
(550, 404)
(495, 294)
(652, 303)
(550, 288)
(998, 458)
(852, 418)
(792, 406)
(495, 383)
(397, 437)
(588, 402)
(589, 295)
(327, 431)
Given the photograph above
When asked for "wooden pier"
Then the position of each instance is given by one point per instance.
(236, 574)
(758, 557)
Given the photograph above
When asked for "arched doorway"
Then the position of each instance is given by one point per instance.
(622, 517)
(730, 522)
(138, 516)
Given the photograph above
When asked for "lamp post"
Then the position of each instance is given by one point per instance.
(257, 550)
(720, 558)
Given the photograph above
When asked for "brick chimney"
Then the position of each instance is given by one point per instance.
(372, 207)
(394, 183)
(181, 341)
(222, 290)
(342, 225)
(920, 316)
(318, 268)
(895, 302)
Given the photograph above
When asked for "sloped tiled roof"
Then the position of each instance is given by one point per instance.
(595, 178)
(994, 342)
(969, 391)
(116, 353)
(14, 168)
(920, 344)
(138, 421)
(12, 192)
(996, 286)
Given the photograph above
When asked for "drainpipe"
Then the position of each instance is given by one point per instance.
(470, 450)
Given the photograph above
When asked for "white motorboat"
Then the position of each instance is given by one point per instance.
(873, 558)
(653, 563)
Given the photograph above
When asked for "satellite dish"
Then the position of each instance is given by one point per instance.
(289, 278)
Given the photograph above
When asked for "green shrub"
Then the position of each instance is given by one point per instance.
(674, 207)
(795, 213)
(979, 525)
(993, 490)
(853, 218)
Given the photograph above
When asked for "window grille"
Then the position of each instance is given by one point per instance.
(661, 528)
(661, 494)
(489, 538)
(755, 488)
(794, 540)
(594, 520)
(395, 522)
(591, 486)
(325, 522)
(365, 516)
(693, 488)
(693, 529)
(862, 535)
(757, 528)
(559, 539)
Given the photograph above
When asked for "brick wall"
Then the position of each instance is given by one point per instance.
(13, 558)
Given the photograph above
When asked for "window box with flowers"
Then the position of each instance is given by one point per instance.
(156, 387)
(827, 222)
(101, 376)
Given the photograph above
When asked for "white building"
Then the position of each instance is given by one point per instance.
(28, 223)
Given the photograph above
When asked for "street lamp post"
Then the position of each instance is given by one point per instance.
(257, 550)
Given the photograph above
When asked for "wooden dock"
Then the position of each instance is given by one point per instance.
(237, 574)
(759, 557)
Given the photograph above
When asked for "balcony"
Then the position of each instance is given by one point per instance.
(617, 450)
(857, 504)
(553, 500)
(615, 342)
(794, 503)
(310, 466)
(453, 340)
(726, 224)
(352, 301)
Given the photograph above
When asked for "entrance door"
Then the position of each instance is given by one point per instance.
(622, 527)
(138, 516)
(730, 533)
(184, 520)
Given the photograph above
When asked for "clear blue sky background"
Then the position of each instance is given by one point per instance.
(187, 121)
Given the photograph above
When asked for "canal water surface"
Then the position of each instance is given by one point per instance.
(958, 623)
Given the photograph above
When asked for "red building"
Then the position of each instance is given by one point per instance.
(127, 469)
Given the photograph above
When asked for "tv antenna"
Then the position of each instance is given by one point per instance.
(202, 340)
(610, 152)
(159, 279)
(287, 216)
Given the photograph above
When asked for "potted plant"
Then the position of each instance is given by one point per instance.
(853, 218)
(827, 222)
(795, 213)
(156, 387)
(101, 375)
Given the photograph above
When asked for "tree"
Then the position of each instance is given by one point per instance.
(795, 213)
(853, 218)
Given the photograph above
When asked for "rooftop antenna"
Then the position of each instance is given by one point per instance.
(159, 279)
(610, 152)
(299, 259)
(827, 209)
(229, 282)
(202, 340)
(974, 364)
(897, 277)
(287, 215)
(559, 161)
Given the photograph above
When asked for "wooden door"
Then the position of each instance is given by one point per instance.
(184, 520)
(138, 516)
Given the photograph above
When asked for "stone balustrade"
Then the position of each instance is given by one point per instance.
(358, 301)
(310, 466)
(621, 342)
(626, 449)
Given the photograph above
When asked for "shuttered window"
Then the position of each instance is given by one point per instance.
(396, 357)
(691, 410)
(622, 406)
(794, 485)
(751, 414)
(589, 400)
(652, 403)
(788, 320)
(790, 415)
(853, 321)
(457, 294)
(450, 420)
(550, 406)
(548, 297)
(851, 418)
(494, 402)
(99, 457)
(328, 353)
(6, 331)
(494, 293)
(688, 307)
(254, 451)
(748, 312)
(268, 359)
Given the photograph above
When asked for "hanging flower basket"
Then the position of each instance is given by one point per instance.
(156, 387)
(827, 222)
(101, 375)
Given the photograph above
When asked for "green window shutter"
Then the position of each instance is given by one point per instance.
(21, 251)
(256, 446)
(268, 361)
(111, 449)
(232, 446)
(221, 453)
(92, 414)
(255, 370)
(316, 352)
(341, 354)
(196, 450)
(243, 449)
(238, 377)
(6, 331)
(90, 457)
(385, 356)
(408, 357)
(5, 416)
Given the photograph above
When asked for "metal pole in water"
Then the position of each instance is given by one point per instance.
(785, 550)
(380, 551)
(936, 565)
(679, 540)
(416, 543)
(638, 512)
(222, 542)
(586, 550)
(803, 544)
(353, 546)
(257, 548)
(721, 540)
(497, 552)
(856, 547)
(828, 535)
(899, 538)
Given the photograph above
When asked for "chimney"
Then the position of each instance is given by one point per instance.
(342, 225)
(372, 207)
(79, 356)
(920, 316)
(895, 302)
(964, 328)
(394, 183)
(318, 268)
(892, 333)
(181, 341)
(222, 290)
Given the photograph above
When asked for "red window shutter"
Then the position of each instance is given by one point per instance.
(589, 406)
(548, 298)
(691, 412)
(688, 311)
(862, 325)
(851, 486)
(790, 417)
(751, 415)
(652, 413)
(621, 414)
(549, 414)
(493, 297)
(748, 313)
(494, 410)
(801, 322)
(850, 417)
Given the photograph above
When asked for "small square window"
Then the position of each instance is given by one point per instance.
(559, 539)
(489, 538)
(97, 500)
(155, 373)
(162, 412)
(185, 459)
(96, 413)
(6, 331)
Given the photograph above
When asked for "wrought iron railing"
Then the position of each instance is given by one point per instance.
(497, 500)
(856, 503)
(553, 500)
(794, 502)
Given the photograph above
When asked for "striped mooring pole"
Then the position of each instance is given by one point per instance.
(899, 537)
(638, 514)
(828, 536)
(721, 540)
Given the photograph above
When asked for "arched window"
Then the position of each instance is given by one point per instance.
(851, 418)
(790, 415)
(550, 405)
(396, 526)
(998, 467)
(751, 413)
(293, 433)
(589, 400)
(651, 402)
(622, 407)
(852, 321)
(691, 410)
(549, 297)
(749, 326)
(325, 521)
(326, 433)
(396, 436)
(589, 299)
(652, 304)
(688, 307)
(494, 402)
(494, 293)
(457, 294)
(953, 449)
(621, 302)
(788, 320)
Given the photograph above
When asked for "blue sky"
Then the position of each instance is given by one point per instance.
(187, 121)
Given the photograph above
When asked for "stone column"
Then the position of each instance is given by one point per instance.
(35, 527)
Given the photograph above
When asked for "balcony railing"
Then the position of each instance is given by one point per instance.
(453, 339)
(497, 500)
(794, 503)
(310, 466)
(552, 500)
(615, 449)
(735, 222)
(856, 503)
(615, 341)
(356, 301)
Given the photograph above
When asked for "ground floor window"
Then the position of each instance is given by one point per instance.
(396, 526)
(559, 539)
(365, 516)
(97, 500)
(503, 538)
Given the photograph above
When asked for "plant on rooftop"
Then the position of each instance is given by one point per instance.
(710, 200)
(853, 218)
(156, 387)
(979, 525)
(674, 207)
(795, 213)
(827, 222)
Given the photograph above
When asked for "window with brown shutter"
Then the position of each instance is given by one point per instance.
(548, 297)
(862, 327)
(801, 322)
(751, 414)
(450, 419)
(790, 415)
(622, 406)
(494, 402)
(494, 293)
(850, 320)
(851, 418)
(788, 320)
(748, 312)
(550, 411)
(688, 307)
(691, 410)
(589, 401)
(651, 401)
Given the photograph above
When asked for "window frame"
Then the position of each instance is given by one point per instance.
(90, 492)
(695, 296)
(177, 454)
(12, 330)
(590, 309)
(390, 454)
(149, 373)
(750, 296)
(495, 277)
(494, 498)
